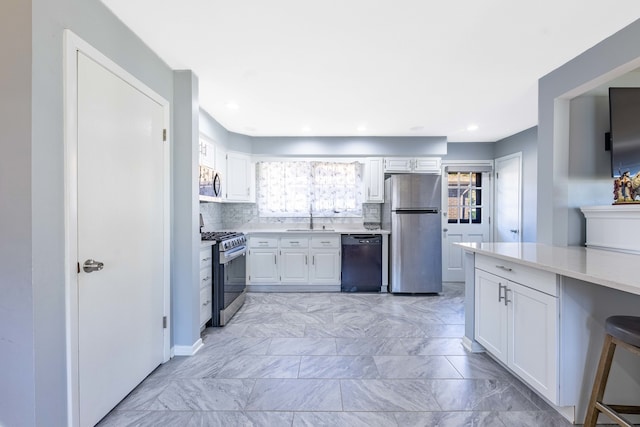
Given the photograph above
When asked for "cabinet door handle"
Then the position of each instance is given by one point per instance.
(306, 261)
(502, 267)
(500, 287)
(275, 259)
(313, 260)
(506, 300)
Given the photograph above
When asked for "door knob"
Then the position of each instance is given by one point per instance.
(90, 266)
(513, 230)
(445, 229)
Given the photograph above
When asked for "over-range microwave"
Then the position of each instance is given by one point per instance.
(209, 185)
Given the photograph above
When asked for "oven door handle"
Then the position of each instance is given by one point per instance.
(231, 255)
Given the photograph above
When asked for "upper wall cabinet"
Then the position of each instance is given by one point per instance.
(240, 178)
(207, 153)
(412, 165)
(374, 180)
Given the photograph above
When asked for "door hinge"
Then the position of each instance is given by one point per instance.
(164, 134)
(78, 267)
(164, 322)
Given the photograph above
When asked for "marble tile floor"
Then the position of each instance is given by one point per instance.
(332, 359)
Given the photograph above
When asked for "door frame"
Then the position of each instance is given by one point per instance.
(72, 45)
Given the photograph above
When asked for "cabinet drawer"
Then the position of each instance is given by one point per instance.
(543, 281)
(263, 242)
(206, 257)
(206, 298)
(325, 241)
(206, 277)
(294, 242)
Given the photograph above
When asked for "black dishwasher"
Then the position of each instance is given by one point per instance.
(361, 263)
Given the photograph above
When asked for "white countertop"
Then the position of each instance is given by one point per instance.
(332, 230)
(607, 268)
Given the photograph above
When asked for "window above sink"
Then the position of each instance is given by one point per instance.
(304, 188)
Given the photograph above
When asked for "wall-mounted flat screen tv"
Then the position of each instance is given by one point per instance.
(624, 116)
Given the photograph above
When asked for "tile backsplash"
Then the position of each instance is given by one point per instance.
(227, 216)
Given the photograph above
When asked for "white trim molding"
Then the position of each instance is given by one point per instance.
(72, 45)
(613, 227)
(188, 350)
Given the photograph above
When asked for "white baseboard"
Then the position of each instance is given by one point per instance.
(472, 346)
(187, 350)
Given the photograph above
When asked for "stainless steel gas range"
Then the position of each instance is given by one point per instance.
(229, 274)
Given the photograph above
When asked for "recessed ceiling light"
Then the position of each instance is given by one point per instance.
(471, 128)
(416, 128)
(232, 106)
(362, 128)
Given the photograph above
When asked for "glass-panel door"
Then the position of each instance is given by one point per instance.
(466, 218)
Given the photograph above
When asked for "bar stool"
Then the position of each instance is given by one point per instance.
(623, 331)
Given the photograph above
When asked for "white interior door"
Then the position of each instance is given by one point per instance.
(508, 191)
(121, 223)
(467, 207)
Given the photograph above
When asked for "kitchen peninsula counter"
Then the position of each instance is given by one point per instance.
(540, 310)
(614, 270)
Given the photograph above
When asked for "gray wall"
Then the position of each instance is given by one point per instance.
(32, 335)
(185, 247)
(596, 65)
(17, 376)
(211, 128)
(589, 172)
(346, 146)
(527, 143)
(469, 151)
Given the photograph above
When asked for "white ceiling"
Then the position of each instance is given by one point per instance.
(398, 68)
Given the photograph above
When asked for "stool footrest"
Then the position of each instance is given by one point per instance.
(609, 410)
(625, 409)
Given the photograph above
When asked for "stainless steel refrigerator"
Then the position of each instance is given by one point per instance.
(412, 213)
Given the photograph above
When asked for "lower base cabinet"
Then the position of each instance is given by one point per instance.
(206, 282)
(518, 323)
(294, 262)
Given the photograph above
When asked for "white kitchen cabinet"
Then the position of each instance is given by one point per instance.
(517, 322)
(221, 168)
(325, 260)
(427, 165)
(398, 164)
(491, 314)
(207, 153)
(294, 260)
(240, 177)
(206, 283)
(325, 266)
(294, 265)
(374, 180)
(533, 332)
(262, 260)
(412, 165)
